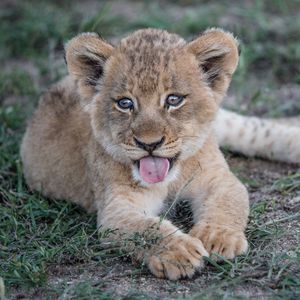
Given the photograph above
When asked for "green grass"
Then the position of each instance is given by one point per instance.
(39, 236)
(16, 82)
(288, 183)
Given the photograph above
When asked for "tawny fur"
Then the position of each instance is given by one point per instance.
(274, 139)
(79, 145)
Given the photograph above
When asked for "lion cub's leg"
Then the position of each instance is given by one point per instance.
(220, 210)
(166, 250)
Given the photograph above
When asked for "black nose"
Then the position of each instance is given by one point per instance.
(149, 147)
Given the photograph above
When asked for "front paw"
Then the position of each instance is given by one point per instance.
(176, 256)
(220, 239)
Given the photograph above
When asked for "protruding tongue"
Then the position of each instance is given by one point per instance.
(154, 169)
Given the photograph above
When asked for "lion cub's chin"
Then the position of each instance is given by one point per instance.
(171, 176)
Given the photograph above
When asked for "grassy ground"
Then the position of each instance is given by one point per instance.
(51, 249)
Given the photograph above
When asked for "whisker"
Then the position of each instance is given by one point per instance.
(168, 148)
(190, 136)
(131, 150)
(171, 142)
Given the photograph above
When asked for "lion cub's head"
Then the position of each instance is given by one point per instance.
(153, 97)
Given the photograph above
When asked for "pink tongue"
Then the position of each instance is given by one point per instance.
(154, 169)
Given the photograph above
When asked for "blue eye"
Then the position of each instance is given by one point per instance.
(125, 103)
(174, 100)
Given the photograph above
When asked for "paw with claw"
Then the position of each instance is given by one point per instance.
(176, 256)
(223, 240)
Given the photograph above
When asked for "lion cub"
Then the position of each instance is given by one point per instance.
(132, 125)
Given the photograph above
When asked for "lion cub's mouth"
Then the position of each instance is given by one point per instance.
(154, 169)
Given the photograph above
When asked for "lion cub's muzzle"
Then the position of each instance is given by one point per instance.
(153, 168)
(149, 147)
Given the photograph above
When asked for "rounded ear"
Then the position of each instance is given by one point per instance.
(86, 55)
(217, 53)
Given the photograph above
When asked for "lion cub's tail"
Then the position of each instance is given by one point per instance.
(269, 138)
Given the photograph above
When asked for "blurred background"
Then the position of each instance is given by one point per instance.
(32, 34)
